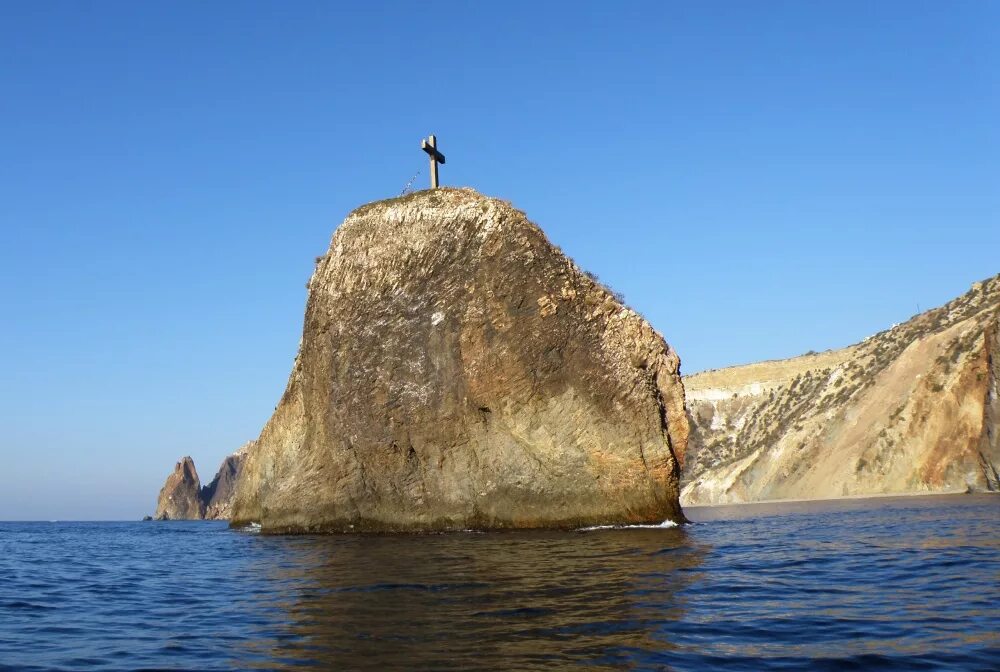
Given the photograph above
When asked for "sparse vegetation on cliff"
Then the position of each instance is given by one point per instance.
(906, 408)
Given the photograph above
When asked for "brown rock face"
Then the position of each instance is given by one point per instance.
(218, 495)
(912, 409)
(456, 370)
(183, 498)
(180, 498)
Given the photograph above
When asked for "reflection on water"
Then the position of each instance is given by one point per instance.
(905, 584)
(470, 600)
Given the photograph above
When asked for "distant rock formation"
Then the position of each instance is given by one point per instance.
(183, 498)
(180, 498)
(912, 409)
(458, 371)
(218, 495)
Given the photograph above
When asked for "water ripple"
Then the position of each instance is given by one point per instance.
(904, 584)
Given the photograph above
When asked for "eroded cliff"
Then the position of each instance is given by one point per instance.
(911, 409)
(456, 370)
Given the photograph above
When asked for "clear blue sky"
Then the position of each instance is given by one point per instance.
(759, 179)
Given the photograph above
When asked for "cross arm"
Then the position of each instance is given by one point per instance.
(432, 150)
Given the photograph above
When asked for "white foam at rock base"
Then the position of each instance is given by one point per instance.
(665, 525)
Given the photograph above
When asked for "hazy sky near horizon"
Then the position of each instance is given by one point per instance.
(758, 179)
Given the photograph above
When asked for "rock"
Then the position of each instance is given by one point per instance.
(218, 495)
(457, 371)
(913, 409)
(180, 498)
(146, 518)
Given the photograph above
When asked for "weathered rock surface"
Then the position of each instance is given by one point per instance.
(180, 498)
(912, 409)
(218, 495)
(457, 370)
(183, 497)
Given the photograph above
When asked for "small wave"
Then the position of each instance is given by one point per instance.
(665, 525)
(251, 528)
(26, 606)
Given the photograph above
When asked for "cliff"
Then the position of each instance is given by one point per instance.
(183, 497)
(912, 409)
(456, 370)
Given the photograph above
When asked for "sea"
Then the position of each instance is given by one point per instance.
(909, 583)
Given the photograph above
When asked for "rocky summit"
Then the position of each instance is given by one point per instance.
(913, 409)
(456, 370)
(180, 497)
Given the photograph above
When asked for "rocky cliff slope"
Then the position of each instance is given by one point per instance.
(914, 408)
(184, 498)
(456, 370)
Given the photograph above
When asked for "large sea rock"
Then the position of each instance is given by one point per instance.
(456, 371)
(184, 498)
(180, 497)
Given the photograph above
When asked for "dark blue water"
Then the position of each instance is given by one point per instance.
(908, 584)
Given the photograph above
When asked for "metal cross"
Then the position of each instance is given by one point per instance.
(430, 146)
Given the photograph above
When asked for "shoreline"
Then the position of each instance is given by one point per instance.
(842, 498)
(837, 506)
